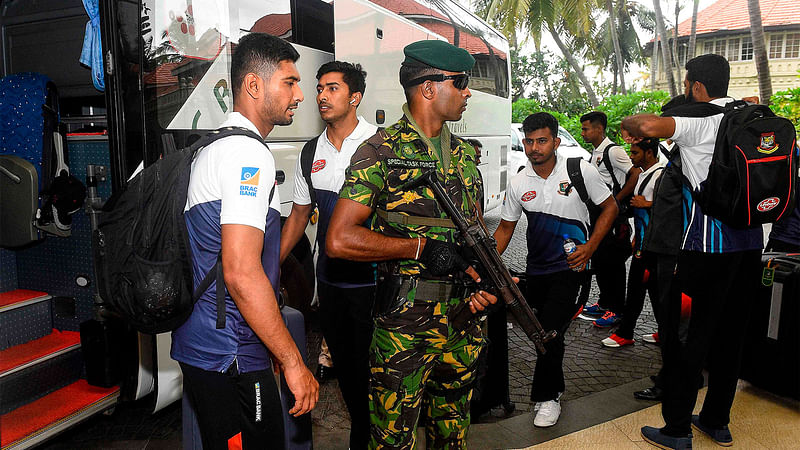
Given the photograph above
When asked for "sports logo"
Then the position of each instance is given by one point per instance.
(563, 187)
(249, 183)
(768, 204)
(768, 144)
(318, 165)
(528, 196)
(599, 160)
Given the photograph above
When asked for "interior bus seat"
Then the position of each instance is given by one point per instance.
(34, 162)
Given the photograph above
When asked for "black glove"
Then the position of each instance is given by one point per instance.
(442, 258)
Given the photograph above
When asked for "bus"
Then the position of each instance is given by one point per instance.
(164, 65)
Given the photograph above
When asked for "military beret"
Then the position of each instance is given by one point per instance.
(439, 55)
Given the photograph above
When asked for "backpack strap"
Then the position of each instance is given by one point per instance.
(647, 180)
(576, 179)
(224, 132)
(610, 168)
(306, 163)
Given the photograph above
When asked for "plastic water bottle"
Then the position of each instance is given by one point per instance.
(569, 248)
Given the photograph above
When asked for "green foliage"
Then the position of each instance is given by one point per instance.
(787, 104)
(616, 108)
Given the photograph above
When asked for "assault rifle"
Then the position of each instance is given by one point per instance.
(477, 238)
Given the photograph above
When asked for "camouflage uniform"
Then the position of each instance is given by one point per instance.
(417, 359)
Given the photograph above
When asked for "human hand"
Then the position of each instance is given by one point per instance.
(443, 258)
(580, 257)
(304, 387)
(638, 201)
(627, 137)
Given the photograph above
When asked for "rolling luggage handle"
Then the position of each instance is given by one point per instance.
(772, 263)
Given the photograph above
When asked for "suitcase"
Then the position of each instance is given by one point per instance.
(297, 430)
(771, 354)
(491, 388)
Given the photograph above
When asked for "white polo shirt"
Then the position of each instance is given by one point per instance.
(327, 177)
(230, 183)
(696, 138)
(620, 162)
(552, 212)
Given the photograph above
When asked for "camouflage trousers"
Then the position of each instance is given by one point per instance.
(418, 361)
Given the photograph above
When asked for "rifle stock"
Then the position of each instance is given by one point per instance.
(477, 238)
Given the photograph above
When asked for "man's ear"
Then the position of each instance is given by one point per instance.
(427, 89)
(355, 99)
(253, 85)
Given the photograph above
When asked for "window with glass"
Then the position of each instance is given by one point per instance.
(776, 46)
(462, 29)
(792, 45)
(733, 49)
(747, 49)
(708, 47)
(719, 47)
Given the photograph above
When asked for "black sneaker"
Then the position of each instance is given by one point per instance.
(722, 436)
(655, 437)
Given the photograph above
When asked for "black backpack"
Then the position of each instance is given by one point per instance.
(753, 174)
(624, 206)
(306, 164)
(144, 259)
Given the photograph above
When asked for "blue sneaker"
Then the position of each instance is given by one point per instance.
(655, 437)
(593, 310)
(722, 436)
(609, 319)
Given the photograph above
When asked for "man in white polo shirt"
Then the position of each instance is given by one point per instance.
(346, 289)
(718, 272)
(554, 209)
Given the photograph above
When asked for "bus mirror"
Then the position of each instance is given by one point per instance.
(380, 116)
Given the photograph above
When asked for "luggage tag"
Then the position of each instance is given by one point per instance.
(768, 276)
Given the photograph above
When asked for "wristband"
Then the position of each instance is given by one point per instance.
(419, 243)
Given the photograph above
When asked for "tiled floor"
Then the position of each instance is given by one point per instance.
(759, 420)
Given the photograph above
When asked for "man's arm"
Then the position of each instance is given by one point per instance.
(348, 238)
(630, 183)
(503, 234)
(581, 255)
(293, 228)
(254, 297)
(635, 128)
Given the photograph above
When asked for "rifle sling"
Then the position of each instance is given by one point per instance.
(404, 219)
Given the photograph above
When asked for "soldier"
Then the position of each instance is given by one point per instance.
(418, 355)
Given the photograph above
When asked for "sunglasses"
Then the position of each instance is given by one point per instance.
(460, 81)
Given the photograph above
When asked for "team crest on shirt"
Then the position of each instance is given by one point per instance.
(528, 196)
(563, 188)
(768, 144)
(599, 160)
(318, 165)
(248, 185)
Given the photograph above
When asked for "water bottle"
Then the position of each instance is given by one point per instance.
(569, 248)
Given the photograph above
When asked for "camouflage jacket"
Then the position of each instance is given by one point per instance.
(383, 164)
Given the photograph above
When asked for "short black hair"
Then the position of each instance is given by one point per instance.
(260, 54)
(537, 121)
(475, 143)
(649, 144)
(711, 70)
(596, 117)
(353, 75)
(411, 72)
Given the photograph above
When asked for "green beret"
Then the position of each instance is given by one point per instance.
(439, 55)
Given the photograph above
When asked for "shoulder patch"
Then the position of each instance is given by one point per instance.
(410, 163)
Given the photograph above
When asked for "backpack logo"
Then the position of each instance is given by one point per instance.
(528, 196)
(768, 144)
(318, 165)
(768, 204)
(249, 182)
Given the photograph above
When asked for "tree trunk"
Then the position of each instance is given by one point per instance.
(620, 64)
(693, 37)
(675, 42)
(574, 64)
(760, 51)
(664, 48)
(614, 86)
(654, 63)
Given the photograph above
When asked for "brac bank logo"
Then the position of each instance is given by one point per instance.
(249, 183)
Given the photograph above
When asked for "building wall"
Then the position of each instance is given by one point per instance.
(744, 77)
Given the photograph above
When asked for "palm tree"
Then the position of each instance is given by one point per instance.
(568, 17)
(675, 40)
(693, 36)
(664, 46)
(612, 30)
(760, 51)
(601, 49)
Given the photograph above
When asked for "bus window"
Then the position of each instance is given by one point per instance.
(450, 21)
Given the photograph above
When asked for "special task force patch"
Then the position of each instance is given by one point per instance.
(248, 186)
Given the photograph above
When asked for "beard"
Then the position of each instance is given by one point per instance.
(277, 115)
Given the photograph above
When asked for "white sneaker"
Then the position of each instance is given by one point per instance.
(547, 414)
(651, 338)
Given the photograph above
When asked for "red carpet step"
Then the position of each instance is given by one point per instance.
(54, 412)
(17, 297)
(41, 348)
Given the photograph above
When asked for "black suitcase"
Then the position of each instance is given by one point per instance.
(771, 355)
(491, 388)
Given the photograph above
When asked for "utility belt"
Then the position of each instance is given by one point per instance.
(392, 294)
